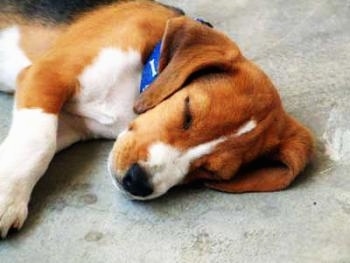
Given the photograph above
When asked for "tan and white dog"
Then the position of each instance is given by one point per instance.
(208, 116)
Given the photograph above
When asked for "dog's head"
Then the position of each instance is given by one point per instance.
(207, 116)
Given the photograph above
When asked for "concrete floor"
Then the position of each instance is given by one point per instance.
(77, 216)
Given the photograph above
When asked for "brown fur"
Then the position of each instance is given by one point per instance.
(36, 39)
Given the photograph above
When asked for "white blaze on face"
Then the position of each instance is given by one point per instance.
(168, 166)
(247, 127)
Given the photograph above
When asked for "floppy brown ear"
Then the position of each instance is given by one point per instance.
(276, 171)
(187, 47)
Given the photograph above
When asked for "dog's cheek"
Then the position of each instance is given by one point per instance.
(223, 165)
(205, 168)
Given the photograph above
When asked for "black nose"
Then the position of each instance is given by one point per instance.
(136, 182)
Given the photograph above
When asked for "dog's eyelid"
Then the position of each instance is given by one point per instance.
(187, 122)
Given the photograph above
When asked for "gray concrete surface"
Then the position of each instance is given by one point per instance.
(76, 215)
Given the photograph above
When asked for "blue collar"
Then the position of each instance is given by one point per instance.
(150, 70)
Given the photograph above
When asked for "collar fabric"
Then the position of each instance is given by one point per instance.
(151, 68)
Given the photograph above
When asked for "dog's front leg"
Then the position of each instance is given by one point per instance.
(24, 157)
(30, 145)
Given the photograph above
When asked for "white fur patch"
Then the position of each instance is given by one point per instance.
(70, 130)
(168, 165)
(12, 58)
(247, 127)
(24, 157)
(109, 87)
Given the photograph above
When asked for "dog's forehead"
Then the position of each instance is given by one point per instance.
(207, 92)
(213, 97)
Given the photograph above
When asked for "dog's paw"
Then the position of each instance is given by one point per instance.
(13, 212)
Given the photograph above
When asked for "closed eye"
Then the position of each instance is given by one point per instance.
(187, 121)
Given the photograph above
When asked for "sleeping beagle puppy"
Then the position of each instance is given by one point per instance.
(210, 115)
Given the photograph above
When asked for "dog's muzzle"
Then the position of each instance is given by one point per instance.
(136, 182)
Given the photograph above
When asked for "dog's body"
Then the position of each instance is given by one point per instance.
(79, 79)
